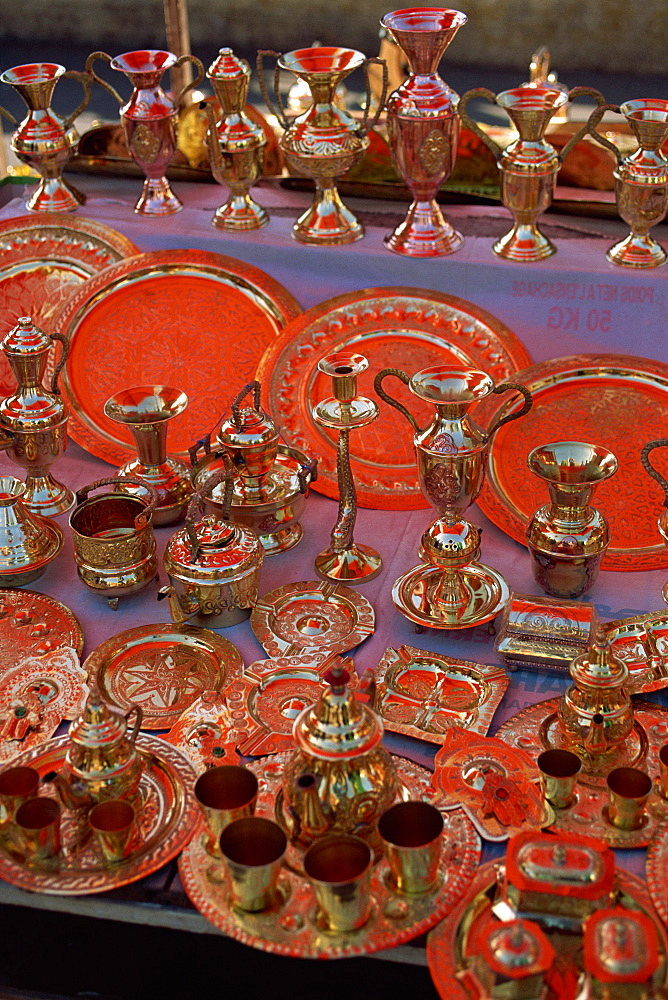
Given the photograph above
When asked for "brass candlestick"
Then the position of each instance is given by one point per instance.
(344, 561)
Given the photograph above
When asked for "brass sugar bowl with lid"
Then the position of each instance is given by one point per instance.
(339, 778)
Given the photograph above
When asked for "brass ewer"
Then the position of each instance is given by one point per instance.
(148, 119)
(568, 538)
(102, 761)
(339, 777)
(452, 589)
(28, 542)
(271, 481)
(325, 141)
(45, 140)
(662, 522)
(213, 565)
(114, 544)
(641, 180)
(33, 421)
(145, 410)
(236, 145)
(529, 166)
(344, 560)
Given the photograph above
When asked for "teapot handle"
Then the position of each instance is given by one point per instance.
(62, 339)
(204, 443)
(279, 109)
(86, 81)
(581, 133)
(378, 387)
(593, 121)
(10, 117)
(98, 79)
(193, 83)
(528, 403)
(253, 387)
(142, 519)
(195, 505)
(650, 470)
(365, 127)
(492, 146)
(139, 717)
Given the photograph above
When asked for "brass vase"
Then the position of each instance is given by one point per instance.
(324, 142)
(641, 180)
(529, 166)
(148, 119)
(33, 421)
(236, 145)
(145, 410)
(568, 538)
(454, 590)
(423, 128)
(45, 140)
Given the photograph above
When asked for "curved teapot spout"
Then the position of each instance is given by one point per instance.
(179, 614)
(595, 740)
(212, 144)
(72, 795)
(378, 387)
(307, 812)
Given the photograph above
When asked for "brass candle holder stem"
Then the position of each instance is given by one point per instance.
(345, 560)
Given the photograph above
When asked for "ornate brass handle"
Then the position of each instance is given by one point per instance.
(493, 147)
(139, 716)
(253, 387)
(650, 470)
(62, 339)
(193, 83)
(528, 403)
(365, 127)
(86, 81)
(581, 133)
(10, 117)
(277, 109)
(594, 119)
(98, 79)
(204, 443)
(378, 387)
(196, 504)
(142, 519)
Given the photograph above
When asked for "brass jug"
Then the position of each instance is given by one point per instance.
(339, 753)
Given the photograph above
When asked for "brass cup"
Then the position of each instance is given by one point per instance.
(17, 785)
(225, 794)
(339, 870)
(663, 770)
(559, 771)
(253, 850)
(112, 822)
(37, 824)
(412, 836)
(628, 790)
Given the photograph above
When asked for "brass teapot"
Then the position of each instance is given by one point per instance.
(339, 778)
(102, 761)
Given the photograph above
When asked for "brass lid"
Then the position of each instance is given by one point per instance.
(224, 551)
(450, 541)
(599, 666)
(100, 725)
(226, 65)
(620, 946)
(516, 949)
(25, 339)
(338, 726)
(249, 435)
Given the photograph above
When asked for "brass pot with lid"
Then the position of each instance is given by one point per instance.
(213, 565)
(339, 777)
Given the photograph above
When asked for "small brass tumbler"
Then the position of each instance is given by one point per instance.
(412, 835)
(225, 794)
(339, 869)
(113, 822)
(38, 828)
(17, 785)
(253, 851)
(628, 790)
(559, 771)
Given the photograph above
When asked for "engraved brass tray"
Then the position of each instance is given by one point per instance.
(162, 668)
(606, 399)
(166, 819)
(34, 623)
(642, 643)
(535, 729)
(411, 328)
(423, 694)
(656, 871)
(311, 615)
(42, 260)
(190, 318)
(292, 928)
(449, 944)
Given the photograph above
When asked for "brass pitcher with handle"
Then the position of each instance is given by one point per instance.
(529, 166)
(45, 140)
